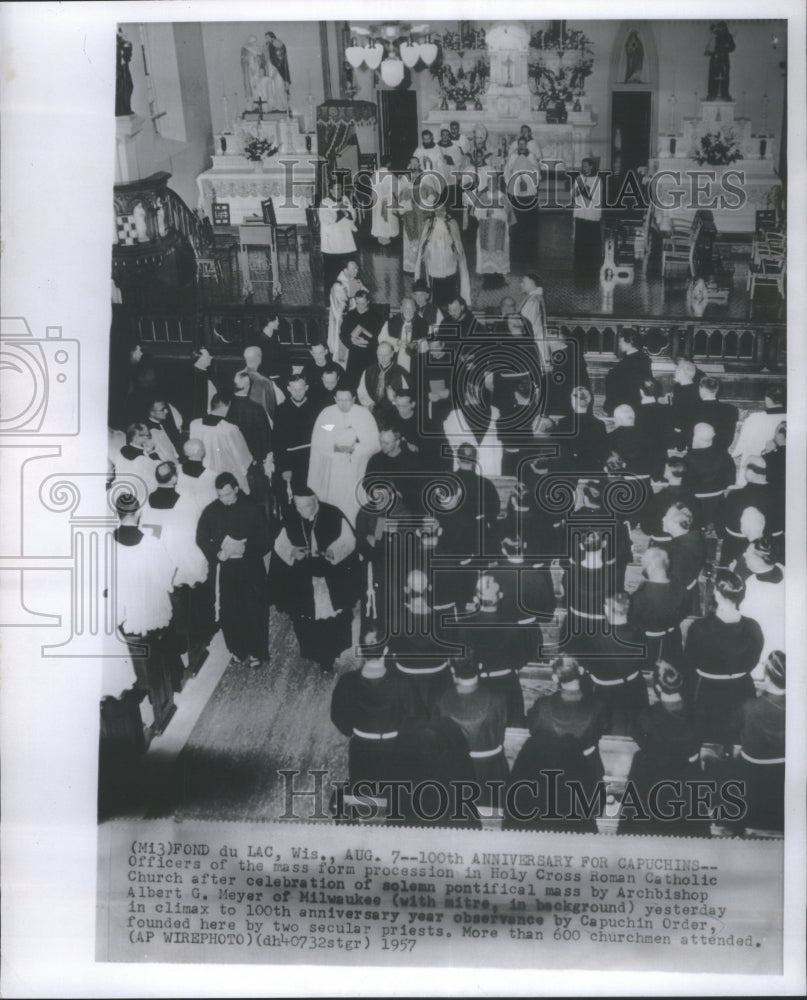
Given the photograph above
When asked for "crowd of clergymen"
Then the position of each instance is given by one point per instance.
(371, 497)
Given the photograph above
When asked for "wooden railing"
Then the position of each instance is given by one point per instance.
(740, 345)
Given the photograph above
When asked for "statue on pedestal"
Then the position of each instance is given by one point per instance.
(634, 56)
(251, 69)
(277, 79)
(719, 48)
(123, 76)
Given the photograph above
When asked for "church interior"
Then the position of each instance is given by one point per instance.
(229, 137)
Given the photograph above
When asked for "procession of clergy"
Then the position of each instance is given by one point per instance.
(361, 494)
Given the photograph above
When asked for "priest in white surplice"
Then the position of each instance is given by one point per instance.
(345, 436)
(441, 259)
(476, 424)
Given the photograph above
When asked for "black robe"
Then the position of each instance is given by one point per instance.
(372, 706)
(294, 425)
(726, 653)
(243, 587)
(251, 419)
(358, 358)
(614, 657)
(623, 381)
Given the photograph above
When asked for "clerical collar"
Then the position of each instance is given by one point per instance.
(211, 420)
(192, 468)
(773, 575)
(128, 534)
(299, 402)
(445, 143)
(163, 498)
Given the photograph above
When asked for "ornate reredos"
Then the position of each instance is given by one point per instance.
(507, 36)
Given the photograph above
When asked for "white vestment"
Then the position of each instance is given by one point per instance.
(335, 475)
(336, 236)
(765, 603)
(142, 467)
(385, 223)
(201, 489)
(178, 534)
(489, 450)
(144, 576)
(225, 449)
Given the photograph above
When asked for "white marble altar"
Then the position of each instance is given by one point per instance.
(508, 103)
(754, 175)
(288, 177)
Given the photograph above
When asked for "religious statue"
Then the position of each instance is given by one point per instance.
(276, 78)
(123, 76)
(721, 44)
(634, 55)
(251, 69)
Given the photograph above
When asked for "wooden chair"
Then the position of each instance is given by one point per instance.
(313, 225)
(287, 241)
(771, 274)
(676, 246)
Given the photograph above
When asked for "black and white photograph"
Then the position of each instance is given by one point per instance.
(403, 477)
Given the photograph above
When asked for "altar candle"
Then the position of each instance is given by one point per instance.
(226, 114)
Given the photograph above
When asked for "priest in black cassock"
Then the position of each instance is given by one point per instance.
(234, 535)
(315, 576)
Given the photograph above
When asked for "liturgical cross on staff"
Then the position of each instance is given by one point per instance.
(259, 102)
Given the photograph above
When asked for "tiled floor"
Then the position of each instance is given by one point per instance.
(567, 294)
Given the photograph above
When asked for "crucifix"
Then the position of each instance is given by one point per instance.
(508, 65)
(260, 103)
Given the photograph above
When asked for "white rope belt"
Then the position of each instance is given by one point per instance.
(707, 496)
(421, 670)
(734, 534)
(693, 758)
(495, 673)
(657, 635)
(583, 614)
(618, 680)
(374, 736)
(299, 447)
(720, 677)
(693, 584)
(757, 760)
(485, 753)
(589, 751)
(660, 538)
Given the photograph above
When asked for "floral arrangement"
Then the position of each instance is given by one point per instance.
(562, 63)
(463, 86)
(258, 149)
(717, 149)
(465, 38)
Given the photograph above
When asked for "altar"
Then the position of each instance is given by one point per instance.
(288, 176)
(733, 192)
(508, 103)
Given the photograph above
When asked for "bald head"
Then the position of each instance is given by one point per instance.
(703, 435)
(752, 523)
(624, 416)
(253, 356)
(194, 450)
(655, 563)
(417, 582)
(488, 591)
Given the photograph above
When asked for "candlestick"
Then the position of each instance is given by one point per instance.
(226, 104)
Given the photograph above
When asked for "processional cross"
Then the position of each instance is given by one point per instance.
(260, 103)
